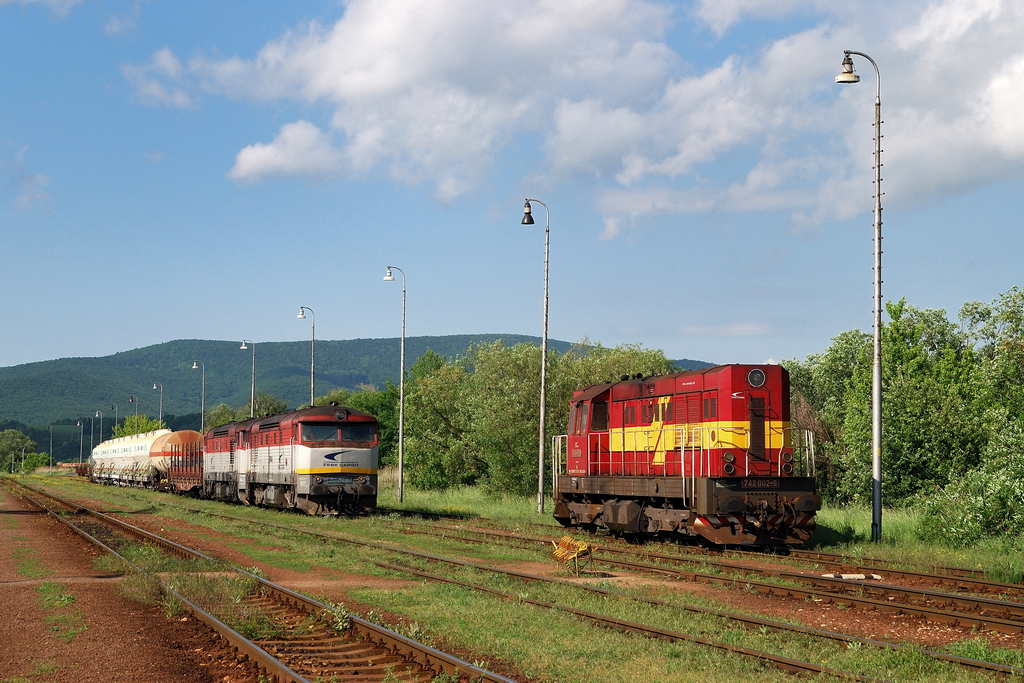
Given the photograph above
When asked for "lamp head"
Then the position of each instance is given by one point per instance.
(195, 365)
(243, 347)
(388, 277)
(527, 214)
(847, 76)
(302, 313)
(97, 414)
(131, 399)
(154, 385)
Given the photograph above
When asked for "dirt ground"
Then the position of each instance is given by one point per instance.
(122, 641)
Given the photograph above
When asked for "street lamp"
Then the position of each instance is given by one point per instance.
(99, 414)
(388, 277)
(160, 418)
(252, 388)
(92, 432)
(528, 220)
(81, 440)
(848, 76)
(202, 419)
(113, 406)
(312, 351)
(51, 448)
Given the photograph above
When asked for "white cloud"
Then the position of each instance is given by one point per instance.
(59, 7)
(300, 149)
(29, 189)
(434, 92)
(162, 81)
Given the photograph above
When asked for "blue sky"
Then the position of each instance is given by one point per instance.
(201, 170)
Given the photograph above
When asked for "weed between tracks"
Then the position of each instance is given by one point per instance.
(545, 644)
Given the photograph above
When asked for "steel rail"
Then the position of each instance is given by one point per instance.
(932, 613)
(744, 620)
(260, 657)
(787, 664)
(959, 577)
(991, 667)
(988, 606)
(410, 649)
(830, 559)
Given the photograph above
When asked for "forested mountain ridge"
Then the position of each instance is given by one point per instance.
(46, 392)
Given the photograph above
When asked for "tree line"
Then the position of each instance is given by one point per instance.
(952, 416)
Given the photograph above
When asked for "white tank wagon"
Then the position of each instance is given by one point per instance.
(136, 460)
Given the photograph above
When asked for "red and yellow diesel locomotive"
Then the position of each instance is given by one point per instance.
(706, 454)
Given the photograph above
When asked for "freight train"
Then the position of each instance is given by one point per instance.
(322, 460)
(705, 454)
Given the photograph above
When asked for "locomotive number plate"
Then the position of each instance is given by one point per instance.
(759, 483)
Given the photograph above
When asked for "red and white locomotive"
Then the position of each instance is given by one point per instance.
(322, 460)
(706, 453)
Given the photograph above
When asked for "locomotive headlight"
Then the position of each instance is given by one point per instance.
(318, 479)
(787, 456)
(362, 480)
(729, 457)
(756, 378)
(729, 469)
(787, 468)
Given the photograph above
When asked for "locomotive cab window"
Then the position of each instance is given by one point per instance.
(319, 432)
(599, 421)
(361, 432)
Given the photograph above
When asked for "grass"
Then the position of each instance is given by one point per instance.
(42, 669)
(63, 619)
(28, 565)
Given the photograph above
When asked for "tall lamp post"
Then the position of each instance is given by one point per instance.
(202, 419)
(388, 277)
(113, 406)
(252, 386)
(848, 76)
(528, 220)
(51, 448)
(160, 418)
(99, 414)
(92, 432)
(312, 351)
(81, 440)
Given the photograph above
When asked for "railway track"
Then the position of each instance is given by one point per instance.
(996, 615)
(743, 620)
(849, 564)
(305, 639)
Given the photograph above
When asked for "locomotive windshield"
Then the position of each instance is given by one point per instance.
(363, 432)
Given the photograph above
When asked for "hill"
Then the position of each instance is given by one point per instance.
(65, 390)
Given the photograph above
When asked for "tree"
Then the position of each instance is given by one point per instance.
(221, 415)
(13, 444)
(383, 405)
(266, 404)
(476, 420)
(140, 424)
(932, 406)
